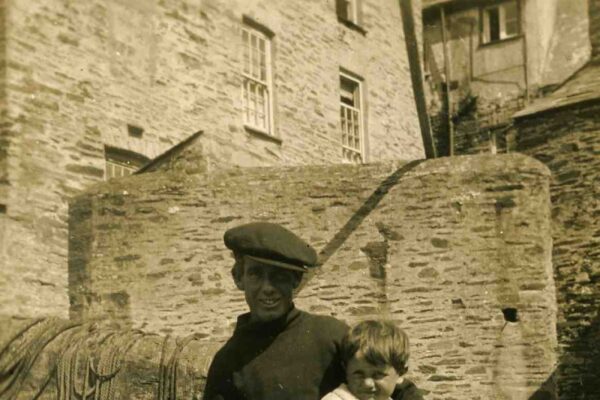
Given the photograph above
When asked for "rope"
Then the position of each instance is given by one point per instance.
(66, 365)
(17, 336)
(97, 382)
(45, 385)
(167, 383)
(162, 371)
(16, 360)
(87, 363)
(110, 363)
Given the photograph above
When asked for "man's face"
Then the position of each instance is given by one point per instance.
(268, 290)
(368, 381)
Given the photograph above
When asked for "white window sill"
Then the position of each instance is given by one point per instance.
(504, 40)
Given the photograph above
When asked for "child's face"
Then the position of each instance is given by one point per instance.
(368, 381)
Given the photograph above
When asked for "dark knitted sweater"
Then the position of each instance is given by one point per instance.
(295, 357)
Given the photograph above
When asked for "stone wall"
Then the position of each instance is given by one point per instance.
(594, 26)
(79, 72)
(568, 142)
(444, 248)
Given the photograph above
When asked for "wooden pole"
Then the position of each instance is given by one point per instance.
(414, 61)
(521, 12)
(447, 74)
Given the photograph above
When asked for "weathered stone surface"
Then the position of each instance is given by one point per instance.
(447, 293)
(75, 74)
(575, 194)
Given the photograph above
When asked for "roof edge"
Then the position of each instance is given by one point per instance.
(169, 153)
(524, 113)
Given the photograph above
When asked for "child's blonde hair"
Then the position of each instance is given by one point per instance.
(381, 342)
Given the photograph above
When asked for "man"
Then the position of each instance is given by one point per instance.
(276, 351)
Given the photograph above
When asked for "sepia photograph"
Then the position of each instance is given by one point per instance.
(300, 199)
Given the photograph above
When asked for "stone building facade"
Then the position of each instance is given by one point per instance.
(92, 89)
(563, 131)
(500, 56)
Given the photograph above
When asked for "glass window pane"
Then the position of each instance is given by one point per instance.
(246, 60)
(252, 63)
(511, 19)
(493, 18)
(245, 99)
(255, 93)
(255, 102)
(256, 65)
(350, 119)
(263, 68)
(511, 28)
(347, 91)
(510, 10)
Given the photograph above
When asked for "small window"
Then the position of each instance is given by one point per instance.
(135, 131)
(348, 10)
(121, 162)
(351, 110)
(256, 80)
(500, 21)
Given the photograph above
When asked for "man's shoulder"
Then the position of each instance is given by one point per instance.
(227, 350)
(324, 319)
(325, 324)
(220, 356)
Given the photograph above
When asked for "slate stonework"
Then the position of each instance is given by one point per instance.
(76, 73)
(568, 141)
(594, 27)
(441, 247)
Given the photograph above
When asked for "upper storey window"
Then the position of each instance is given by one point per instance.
(349, 12)
(500, 21)
(256, 80)
(351, 115)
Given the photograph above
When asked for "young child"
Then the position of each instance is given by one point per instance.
(375, 355)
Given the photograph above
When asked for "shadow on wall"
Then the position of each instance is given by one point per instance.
(358, 217)
(585, 386)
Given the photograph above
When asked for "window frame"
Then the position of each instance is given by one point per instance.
(349, 4)
(252, 28)
(353, 19)
(485, 27)
(361, 150)
(124, 159)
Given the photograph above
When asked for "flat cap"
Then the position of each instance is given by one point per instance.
(271, 244)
